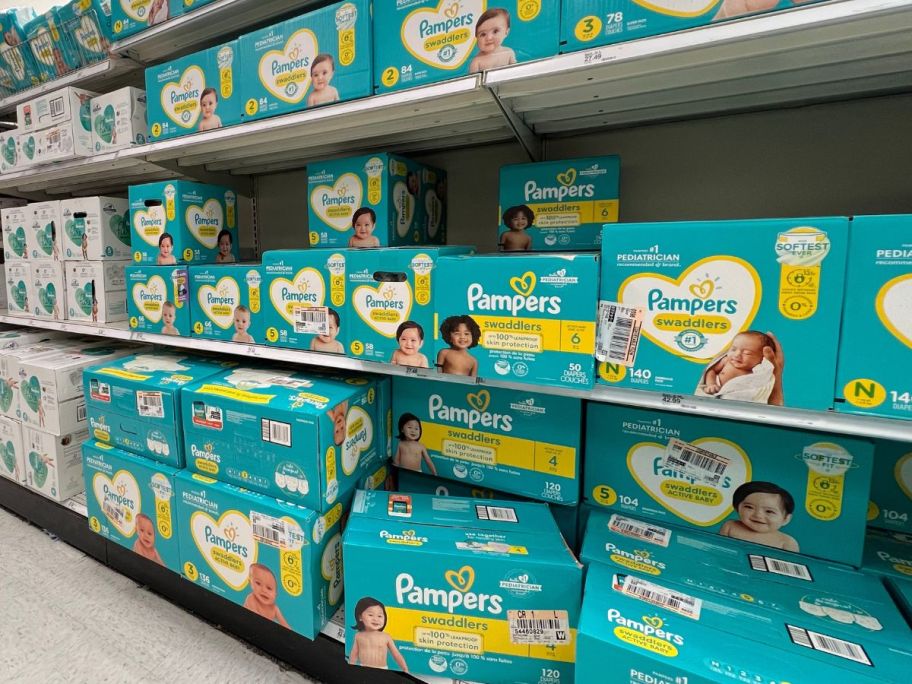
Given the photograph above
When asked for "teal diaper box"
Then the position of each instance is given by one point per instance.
(278, 560)
(15, 55)
(133, 403)
(634, 629)
(195, 93)
(305, 307)
(877, 316)
(225, 303)
(131, 501)
(182, 222)
(370, 201)
(786, 489)
(731, 310)
(434, 201)
(129, 17)
(282, 433)
(394, 295)
(891, 487)
(559, 205)
(423, 41)
(888, 553)
(459, 587)
(902, 593)
(523, 318)
(317, 58)
(501, 439)
(158, 299)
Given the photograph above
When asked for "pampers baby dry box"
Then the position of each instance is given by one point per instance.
(787, 489)
(457, 587)
(158, 299)
(422, 41)
(891, 487)
(737, 310)
(278, 560)
(225, 303)
(320, 57)
(876, 345)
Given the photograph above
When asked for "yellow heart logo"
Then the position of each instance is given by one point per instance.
(479, 400)
(702, 290)
(568, 177)
(525, 284)
(452, 10)
(655, 621)
(462, 579)
(408, 533)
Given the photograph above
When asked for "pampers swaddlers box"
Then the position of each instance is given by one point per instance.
(132, 16)
(525, 318)
(560, 205)
(194, 93)
(787, 489)
(277, 559)
(891, 487)
(131, 501)
(158, 299)
(878, 316)
(457, 587)
(717, 308)
(226, 302)
(180, 221)
(320, 57)
(96, 228)
(502, 439)
(422, 41)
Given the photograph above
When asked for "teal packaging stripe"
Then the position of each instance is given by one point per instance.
(15, 53)
(226, 302)
(129, 17)
(888, 553)
(158, 299)
(891, 487)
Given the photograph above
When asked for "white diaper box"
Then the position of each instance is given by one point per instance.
(105, 224)
(18, 280)
(14, 221)
(119, 120)
(69, 140)
(47, 294)
(96, 291)
(44, 231)
(53, 464)
(57, 107)
(12, 459)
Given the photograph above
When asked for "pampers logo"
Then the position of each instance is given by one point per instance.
(476, 415)
(296, 60)
(206, 453)
(342, 196)
(650, 627)
(405, 538)
(638, 559)
(460, 596)
(225, 539)
(566, 188)
(222, 296)
(386, 301)
(454, 17)
(118, 496)
(523, 300)
(701, 301)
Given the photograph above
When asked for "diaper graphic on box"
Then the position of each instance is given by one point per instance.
(394, 295)
(132, 502)
(891, 487)
(158, 299)
(96, 291)
(370, 201)
(560, 205)
(16, 222)
(424, 41)
(299, 438)
(306, 303)
(53, 464)
(96, 229)
(12, 456)
(501, 439)
(449, 586)
(49, 287)
(19, 289)
(11, 373)
(733, 310)
(198, 92)
(877, 316)
(277, 559)
(317, 58)
(526, 318)
(226, 302)
(134, 402)
(180, 221)
(44, 235)
(132, 16)
(782, 488)
(888, 553)
(10, 155)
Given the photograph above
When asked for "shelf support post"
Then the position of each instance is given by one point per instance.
(525, 136)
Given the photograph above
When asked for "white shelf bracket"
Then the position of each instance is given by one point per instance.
(525, 136)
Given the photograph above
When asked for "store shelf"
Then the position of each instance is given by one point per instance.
(836, 50)
(822, 421)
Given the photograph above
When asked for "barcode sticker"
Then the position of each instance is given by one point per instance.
(80, 413)
(150, 404)
(498, 513)
(660, 536)
(829, 644)
(777, 566)
(276, 432)
(670, 599)
(56, 106)
(693, 461)
(550, 627)
(113, 513)
(618, 334)
(311, 320)
(272, 531)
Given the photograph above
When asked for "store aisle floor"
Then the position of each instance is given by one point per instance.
(65, 617)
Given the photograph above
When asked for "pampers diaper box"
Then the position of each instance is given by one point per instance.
(457, 587)
(158, 299)
(96, 291)
(422, 41)
(557, 206)
(877, 316)
(11, 375)
(44, 234)
(119, 120)
(180, 221)
(282, 433)
(394, 296)
(194, 93)
(370, 201)
(16, 222)
(19, 289)
(891, 487)
(11, 158)
(782, 488)
(56, 107)
(526, 318)
(732, 310)
(277, 559)
(132, 502)
(132, 16)
(502, 439)
(317, 58)
(306, 305)
(434, 201)
(49, 289)
(53, 463)
(12, 457)
(888, 554)
(226, 302)
(96, 228)
(133, 402)
(88, 22)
